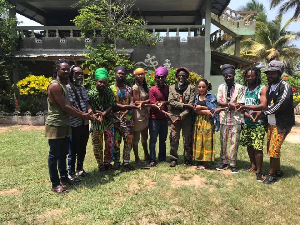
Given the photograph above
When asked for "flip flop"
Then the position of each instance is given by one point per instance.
(59, 190)
(200, 168)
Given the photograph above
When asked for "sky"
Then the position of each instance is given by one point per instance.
(234, 4)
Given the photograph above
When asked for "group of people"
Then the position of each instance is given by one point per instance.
(120, 112)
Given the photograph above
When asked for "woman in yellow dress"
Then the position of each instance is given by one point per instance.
(206, 123)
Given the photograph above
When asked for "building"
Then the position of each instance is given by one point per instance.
(58, 38)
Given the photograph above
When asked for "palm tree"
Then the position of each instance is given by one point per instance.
(286, 6)
(271, 41)
(259, 8)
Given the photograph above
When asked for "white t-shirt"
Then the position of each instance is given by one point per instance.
(272, 118)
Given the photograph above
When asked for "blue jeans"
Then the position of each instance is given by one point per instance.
(57, 158)
(158, 127)
(77, 149)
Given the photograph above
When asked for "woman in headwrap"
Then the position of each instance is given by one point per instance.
(80, 128)
(140, 116)
(102, 100)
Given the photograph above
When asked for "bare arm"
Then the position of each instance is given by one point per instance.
(55, 92)
(261, 106)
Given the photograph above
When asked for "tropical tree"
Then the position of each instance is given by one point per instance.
(259, 8)
(272, 41)
(286, 6)
(7, 45)
(111, 21)
(260, 15)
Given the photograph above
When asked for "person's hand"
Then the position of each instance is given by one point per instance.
(249, 116)
(123, 116)
(160, 104)
(215, 111)
(258, 114)
(87, 116)
(232, 105)
(240, 107)
(208, 113)
(178, 118)
(189, 106)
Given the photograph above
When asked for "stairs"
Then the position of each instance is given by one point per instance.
(232, 24)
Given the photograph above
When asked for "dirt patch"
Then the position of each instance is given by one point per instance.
(293, 136)
(5, 128)
(13, 191)
(143, 185)
(48, 215)
(196, 181)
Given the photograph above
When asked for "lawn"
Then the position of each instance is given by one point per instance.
(161, 195)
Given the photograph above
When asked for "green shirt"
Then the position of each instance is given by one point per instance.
(252, 98)
(101, 101)
(56, 116)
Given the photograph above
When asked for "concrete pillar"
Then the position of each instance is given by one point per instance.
(237, 46)
(207, 50)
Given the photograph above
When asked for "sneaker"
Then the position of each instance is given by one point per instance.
(74, 178)
(259, 177)
(82, 173)
(234, 169)
(278, 173)
(67, 181)
(250, 170)
(222, 167)
(270, 179)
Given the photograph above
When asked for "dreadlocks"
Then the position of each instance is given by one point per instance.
(57, 66)
(257, 73)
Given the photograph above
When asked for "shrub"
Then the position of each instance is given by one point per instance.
(34, 85)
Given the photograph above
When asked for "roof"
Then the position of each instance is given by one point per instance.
(154, 11)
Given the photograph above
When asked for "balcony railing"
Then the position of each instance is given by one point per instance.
(73, 31)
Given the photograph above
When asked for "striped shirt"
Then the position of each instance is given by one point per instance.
(100, 102)
(237, 95)
(79, 104)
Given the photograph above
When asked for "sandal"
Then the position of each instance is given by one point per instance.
(153, 164)
(200, 168)
(59, 190)
(128, 166)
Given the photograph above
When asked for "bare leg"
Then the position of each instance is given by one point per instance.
(274, 165)
(252, 156)
(259, 160)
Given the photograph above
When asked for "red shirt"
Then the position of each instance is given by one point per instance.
(158, 94)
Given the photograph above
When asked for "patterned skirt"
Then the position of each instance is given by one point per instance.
(204, 139)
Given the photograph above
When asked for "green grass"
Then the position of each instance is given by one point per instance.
(161, 195)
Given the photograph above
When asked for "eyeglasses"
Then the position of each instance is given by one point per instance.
(78, 73)
(250, 76)
(160, 77)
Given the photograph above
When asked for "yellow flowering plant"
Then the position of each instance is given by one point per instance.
(34, 85)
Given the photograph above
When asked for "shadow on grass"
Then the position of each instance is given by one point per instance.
(288, 171)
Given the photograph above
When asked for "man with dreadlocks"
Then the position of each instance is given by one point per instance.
(80, 128)
(253, 132)
(58, 129)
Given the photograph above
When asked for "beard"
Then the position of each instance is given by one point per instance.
(77, 82)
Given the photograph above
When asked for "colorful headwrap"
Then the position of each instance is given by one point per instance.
(228, 69)
(101, 73)
(182, 69)
(123, 68)
(139, 70)
(161, 71)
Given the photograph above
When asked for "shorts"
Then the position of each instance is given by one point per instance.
(275, 141)
(253, 136)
